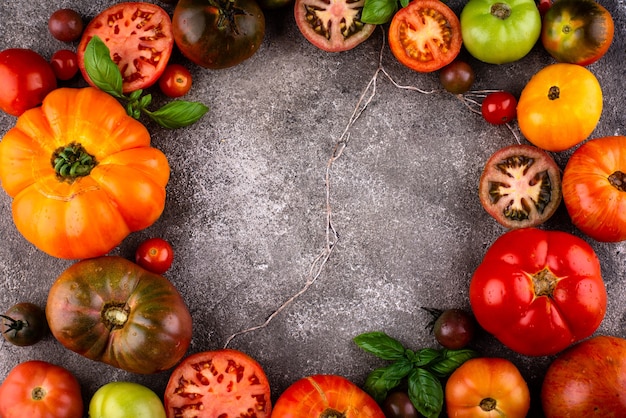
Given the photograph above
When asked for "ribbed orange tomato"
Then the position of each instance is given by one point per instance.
(82, 174)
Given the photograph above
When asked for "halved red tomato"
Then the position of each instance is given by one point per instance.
(425, 35)
(332, 25)
(321, 396)
(139, 37)
(219, 383)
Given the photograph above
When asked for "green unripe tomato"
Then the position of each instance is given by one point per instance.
(125, 400)
(500, 31)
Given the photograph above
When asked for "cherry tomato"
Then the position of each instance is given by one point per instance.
(220, 383)
(139, 37)
(453, 328)
(175, 81)
(66, 25)
(322, 396)
(398, 405)
(38, 389)
(64, 64)
(425, 35)
(24, 324)
(457, 77)
(155, 255)
(487, 387)
(26, 78)
(499, 108)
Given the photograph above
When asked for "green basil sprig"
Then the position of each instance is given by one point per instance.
(106, 75)
(421, 369)
(379, 12)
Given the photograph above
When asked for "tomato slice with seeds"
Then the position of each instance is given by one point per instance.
(332, 25)
(139, 37)
(425, 35)
(219, 383)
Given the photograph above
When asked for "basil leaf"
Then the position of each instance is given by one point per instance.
(102, 71)
(178, 114)
(381, 345)
(425, 392)
(380, 381)
(378, 12)
(450, 361)
(404, 3)
(425, 356)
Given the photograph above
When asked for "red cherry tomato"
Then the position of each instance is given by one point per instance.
(175, 81)
(26, 78)
(64, 63)
(499, 107)
(155, 255)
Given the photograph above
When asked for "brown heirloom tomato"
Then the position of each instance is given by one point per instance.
(587, 380)
(577, 31)
(23, 324)
(218, 34)
(218, 383)
(594, 188)
(332, 25)
(487, 387)
(111, 310)
(520, 186)
(560, 106)
(425, 35)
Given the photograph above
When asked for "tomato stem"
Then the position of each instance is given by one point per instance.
(544, 282)
(38, 393)
(15, 325)
(115, 315)
(500, 10)
(554, 93)
(331, 413)
(72, 161)
(488, 404)
(618, 180)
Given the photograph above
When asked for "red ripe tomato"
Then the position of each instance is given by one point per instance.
(594, 188)
(155, 255)
(587, 380)
(64, 64)
(538, 291)
(320, 396)
(26, 78)
(139, 37)
(487, 387)
(175, 81)
(37, 389)
(334, 25)
(425, 35)
(219, 383)
(499, 108)
(577, 31)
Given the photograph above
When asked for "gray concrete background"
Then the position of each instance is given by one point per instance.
(247, 203)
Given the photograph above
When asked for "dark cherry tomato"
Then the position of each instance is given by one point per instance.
(66, 25)
(453, 328)
(398, 405)
(155, 255)
(24, 324)
(175, 81)
(26, 78)
(64, 64)
(457, 77)
(499, 108)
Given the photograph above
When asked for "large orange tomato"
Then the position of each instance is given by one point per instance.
(560, 106)
(487, 387)
(82, 174)
(594, 188)
(320, 396)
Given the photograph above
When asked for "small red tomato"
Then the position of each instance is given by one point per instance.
(175, 81)
(155, 255)
(64, 64)
(499, 108)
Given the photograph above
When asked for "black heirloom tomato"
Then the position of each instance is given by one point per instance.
(218, 33)
(109, 309)
(23, 324)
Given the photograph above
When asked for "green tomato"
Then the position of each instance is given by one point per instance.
(125, 400)
(500, 31)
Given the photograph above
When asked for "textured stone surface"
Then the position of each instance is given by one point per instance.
(247, 203)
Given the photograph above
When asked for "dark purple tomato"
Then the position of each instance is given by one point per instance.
(66, 25)
(457, 77)
(398, 405)
(24, 324)
(453, 328)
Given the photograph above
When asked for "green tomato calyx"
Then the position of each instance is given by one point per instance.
(72, 161)
(500, 10)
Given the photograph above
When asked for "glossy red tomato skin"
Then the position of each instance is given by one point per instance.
(175, 81)
(26, 78)
(64, 64)
(499, 108)
(539, 291)
(594, 188)
(155, 255)
(218, 383)
(38, 389)
(311, 396)
(589, 379)
(139, 37)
